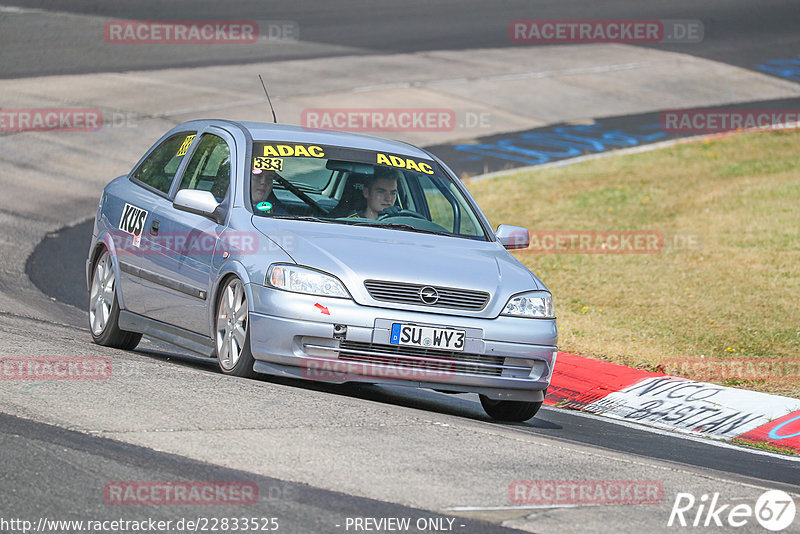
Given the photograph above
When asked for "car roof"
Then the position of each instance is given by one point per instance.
(266, 131)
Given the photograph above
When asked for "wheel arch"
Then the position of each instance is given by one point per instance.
(106, 243)
(229, 270)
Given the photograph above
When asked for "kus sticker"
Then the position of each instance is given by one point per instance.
(308, 151)
(132, 222)
(268, 164)
(404, 163)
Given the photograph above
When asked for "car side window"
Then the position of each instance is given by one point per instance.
(443, 207)
(159, 169)
(210, 167)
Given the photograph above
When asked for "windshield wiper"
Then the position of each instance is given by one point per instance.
(393, 226)
(398, 226)
(299, 194)
(303, 218)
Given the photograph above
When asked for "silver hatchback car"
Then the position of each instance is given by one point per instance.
(319, 255)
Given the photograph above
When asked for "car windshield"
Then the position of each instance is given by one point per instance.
(358, 187)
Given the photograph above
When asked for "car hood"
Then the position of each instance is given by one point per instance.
(355, 254)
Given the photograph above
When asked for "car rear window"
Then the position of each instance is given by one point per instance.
(159, 168)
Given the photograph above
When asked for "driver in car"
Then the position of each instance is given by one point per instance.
(380, 192)
(261, 194)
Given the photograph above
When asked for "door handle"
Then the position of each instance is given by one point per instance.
(154, 227)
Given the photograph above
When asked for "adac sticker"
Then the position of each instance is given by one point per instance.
(132, 222)
(404, 163)
(267, 164)
(185, 146)
(308, 151)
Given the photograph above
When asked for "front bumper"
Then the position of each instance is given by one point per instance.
(337, 340)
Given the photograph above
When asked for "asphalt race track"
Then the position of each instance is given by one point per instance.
(737, 32)
(320, 455)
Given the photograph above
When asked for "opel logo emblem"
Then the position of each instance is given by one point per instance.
(429, 295)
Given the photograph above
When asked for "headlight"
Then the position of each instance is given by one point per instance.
(538, 304)
(302, 280)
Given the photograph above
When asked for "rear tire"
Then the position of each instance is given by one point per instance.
(232, 335)
(513, 411)
(104, 308)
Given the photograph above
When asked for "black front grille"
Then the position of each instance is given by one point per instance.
(449, 297)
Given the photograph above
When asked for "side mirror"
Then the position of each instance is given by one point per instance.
(513, 237)
(200, 203)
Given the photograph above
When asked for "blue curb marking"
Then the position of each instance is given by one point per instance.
(773, 434)
(536, 148)
(785, 68)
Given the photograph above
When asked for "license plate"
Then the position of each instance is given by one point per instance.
(427, 337)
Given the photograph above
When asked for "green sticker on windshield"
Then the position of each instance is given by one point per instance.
(264, 206)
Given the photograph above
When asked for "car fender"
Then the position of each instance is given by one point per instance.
(105, 239)
(232, 267)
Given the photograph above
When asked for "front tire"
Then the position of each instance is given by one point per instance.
(232, 337)
(512, 411)
(104, 308)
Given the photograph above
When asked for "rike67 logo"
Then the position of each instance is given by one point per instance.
(774, 510)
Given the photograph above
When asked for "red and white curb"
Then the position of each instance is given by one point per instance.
(674, 403)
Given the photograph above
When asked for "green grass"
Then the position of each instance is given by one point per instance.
(764, 446)
(736, 296)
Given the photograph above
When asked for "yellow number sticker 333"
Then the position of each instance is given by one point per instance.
(268, 164)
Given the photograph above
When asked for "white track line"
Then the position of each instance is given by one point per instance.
(680, 434)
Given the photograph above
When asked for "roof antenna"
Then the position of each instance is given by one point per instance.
(274, 118)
